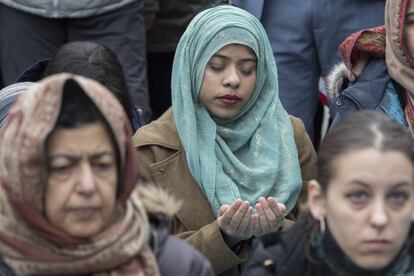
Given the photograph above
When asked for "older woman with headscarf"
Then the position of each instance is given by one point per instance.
(68, 198)
(226, 147)
(378, 68)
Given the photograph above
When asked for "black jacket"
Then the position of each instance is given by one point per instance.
(283, 254)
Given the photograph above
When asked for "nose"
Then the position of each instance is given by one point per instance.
(379, 216)
(86, 183)
(232, 78)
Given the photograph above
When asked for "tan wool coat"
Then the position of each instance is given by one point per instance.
(163, 162)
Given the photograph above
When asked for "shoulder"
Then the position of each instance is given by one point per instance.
(161, 132)
(302, 140)
(177, 257)
(337, 80)
(298, 126)
(366, 92)
(174, 256)
(5, 270)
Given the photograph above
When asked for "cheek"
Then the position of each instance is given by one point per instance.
(57, 195)
(108, 194)
(401, 220)
(209, 84)
(344, 223)
(251, 85)
(339, 217)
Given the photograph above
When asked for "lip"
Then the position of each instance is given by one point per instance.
(84, 213)
(378, 245)
(229, 99)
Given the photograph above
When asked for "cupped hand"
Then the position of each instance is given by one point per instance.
(236, 221)
(269, 216)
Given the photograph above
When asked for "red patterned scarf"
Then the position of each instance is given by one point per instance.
(386, 41)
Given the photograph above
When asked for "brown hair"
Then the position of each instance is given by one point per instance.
(361, 130)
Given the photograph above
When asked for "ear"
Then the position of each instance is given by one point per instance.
(316, 200)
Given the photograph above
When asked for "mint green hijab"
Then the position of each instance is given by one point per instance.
(248, 156)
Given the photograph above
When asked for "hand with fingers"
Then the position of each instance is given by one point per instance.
(236, 221)
(269, 216)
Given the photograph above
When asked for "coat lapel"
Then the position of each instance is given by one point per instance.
(196, 210)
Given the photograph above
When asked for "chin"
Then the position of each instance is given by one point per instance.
(84, 232)
(374, 263)
(224, 115)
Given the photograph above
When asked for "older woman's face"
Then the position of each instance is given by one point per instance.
(229, 80)
(409, 28)
(369, 205)
(82, 180)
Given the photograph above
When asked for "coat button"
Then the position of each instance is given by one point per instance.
(338, 102)
(269, 264)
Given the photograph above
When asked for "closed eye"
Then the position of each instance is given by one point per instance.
(216, 66)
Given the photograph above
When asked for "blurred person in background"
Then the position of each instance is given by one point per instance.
(31, 31)
(305, 36)
(165, 22)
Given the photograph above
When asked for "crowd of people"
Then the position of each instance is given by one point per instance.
(219, 177)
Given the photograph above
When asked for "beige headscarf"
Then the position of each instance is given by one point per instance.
(29, 244)
(399, 62)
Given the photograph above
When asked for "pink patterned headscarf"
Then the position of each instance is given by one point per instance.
(29, 243)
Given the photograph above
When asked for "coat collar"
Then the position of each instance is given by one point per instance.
(160, 132)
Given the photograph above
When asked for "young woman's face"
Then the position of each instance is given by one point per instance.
(82, 180)
(369, 205)
(409, 29)
(229, 80)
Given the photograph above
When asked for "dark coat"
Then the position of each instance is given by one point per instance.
(5, 270)
(285, 254)
(174, 256)
(366, 93)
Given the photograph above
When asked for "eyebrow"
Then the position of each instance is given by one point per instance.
(400, 184)
(252, 59)
(94, 156)
(360, 183)
(396, 186)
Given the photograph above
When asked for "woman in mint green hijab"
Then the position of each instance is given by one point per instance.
(235, 138)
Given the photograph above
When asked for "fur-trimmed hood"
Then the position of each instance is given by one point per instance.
(157, 201)
(336, 80)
